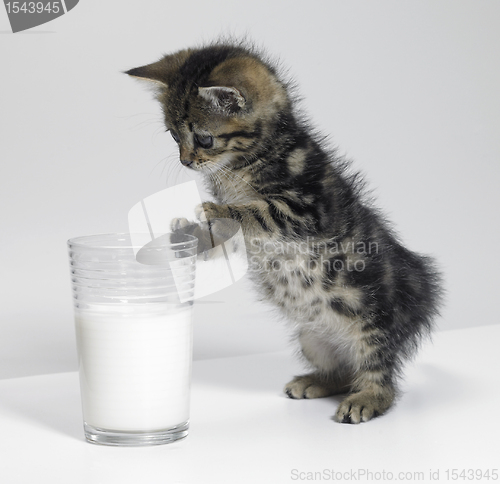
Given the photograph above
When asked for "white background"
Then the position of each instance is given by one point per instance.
(408, 90)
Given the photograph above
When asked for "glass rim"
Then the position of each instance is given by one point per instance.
(189, 241)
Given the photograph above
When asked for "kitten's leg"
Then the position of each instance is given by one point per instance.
(372, 394)
(316, 385)
(365, 369)
(331, 376)
(257, 218)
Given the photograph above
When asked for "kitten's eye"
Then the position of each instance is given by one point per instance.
(175, 136)
(204, 141)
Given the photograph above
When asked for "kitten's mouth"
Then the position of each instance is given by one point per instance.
(197, 165)
(203, 166)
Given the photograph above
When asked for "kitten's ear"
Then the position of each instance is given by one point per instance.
(152, 72)
(161, 72)
(227, 100)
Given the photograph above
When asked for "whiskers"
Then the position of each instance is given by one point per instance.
(148, 120)
(173, 170)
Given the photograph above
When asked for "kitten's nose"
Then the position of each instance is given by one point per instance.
(187, 163)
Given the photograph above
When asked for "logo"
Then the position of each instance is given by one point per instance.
(26, 15)
(222, 255)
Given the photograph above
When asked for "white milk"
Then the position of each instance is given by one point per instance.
(135, 368)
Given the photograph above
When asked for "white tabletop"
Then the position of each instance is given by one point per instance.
(243, 429)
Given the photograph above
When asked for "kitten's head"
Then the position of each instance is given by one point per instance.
(220, 103)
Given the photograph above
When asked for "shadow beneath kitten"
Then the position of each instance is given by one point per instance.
(424, 387)
(263, 372)
(429, 385)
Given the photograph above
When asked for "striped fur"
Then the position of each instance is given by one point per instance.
(358, 301)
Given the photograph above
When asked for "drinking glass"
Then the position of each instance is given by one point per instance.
(133, 317)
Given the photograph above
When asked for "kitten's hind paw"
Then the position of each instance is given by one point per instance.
(312, 386)
(363, 406)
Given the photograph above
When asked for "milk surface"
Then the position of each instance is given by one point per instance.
(135, 366)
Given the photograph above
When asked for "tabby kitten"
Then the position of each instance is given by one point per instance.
(359, 302)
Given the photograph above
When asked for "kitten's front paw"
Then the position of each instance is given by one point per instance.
(311, 386)
(181, 227)
(363, 406)
(179, 223)
(209, 210)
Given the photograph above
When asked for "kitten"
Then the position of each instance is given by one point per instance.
(359, 301)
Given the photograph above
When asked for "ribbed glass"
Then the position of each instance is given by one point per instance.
(133, 315)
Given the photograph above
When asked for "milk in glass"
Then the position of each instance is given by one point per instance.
(135, 366)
